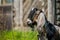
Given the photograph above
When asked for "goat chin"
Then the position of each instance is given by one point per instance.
(57, 28)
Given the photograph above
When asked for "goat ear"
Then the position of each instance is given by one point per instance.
(34, 9)
(41, 11)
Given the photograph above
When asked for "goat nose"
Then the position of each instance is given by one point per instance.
(29, 21)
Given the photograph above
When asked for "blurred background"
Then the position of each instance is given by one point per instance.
(13, 13)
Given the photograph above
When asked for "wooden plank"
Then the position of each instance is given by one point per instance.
(58, 8)
(57, 1)
(57, 13)
(4, 1)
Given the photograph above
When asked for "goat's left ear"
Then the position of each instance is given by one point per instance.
(40, 10)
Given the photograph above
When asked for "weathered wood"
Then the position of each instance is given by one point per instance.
(17, 11)
(21, 13)
(26, 6)
(50, 11)
(33, 5)
(57, 28)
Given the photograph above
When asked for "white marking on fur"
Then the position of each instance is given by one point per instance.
(28, 20)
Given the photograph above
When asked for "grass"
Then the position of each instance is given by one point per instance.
(18, 35)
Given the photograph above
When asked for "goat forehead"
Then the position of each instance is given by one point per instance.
(32, 12)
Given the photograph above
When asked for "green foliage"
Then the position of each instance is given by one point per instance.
(18, 35)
